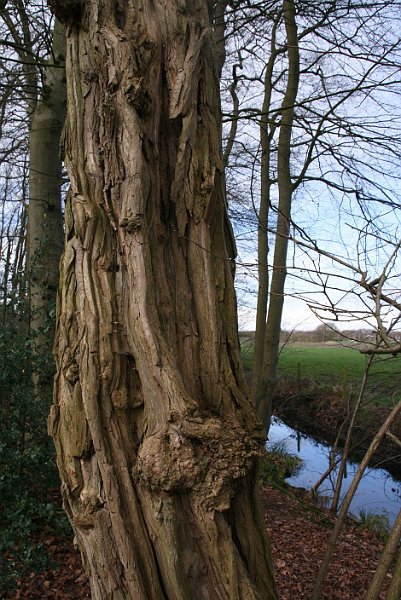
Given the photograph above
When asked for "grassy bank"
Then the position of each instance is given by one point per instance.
(337, 368)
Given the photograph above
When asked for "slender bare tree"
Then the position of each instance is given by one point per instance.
(45, 219)
(326, 83)
(33, 78)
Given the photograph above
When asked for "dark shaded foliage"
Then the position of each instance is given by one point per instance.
(27, 467)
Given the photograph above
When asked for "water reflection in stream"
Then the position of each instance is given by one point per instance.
(378, 492)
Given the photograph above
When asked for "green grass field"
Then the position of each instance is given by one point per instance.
(332, 366)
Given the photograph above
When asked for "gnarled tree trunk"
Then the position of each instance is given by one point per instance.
(155, 436)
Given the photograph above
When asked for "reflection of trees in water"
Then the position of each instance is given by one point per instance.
(315, 457)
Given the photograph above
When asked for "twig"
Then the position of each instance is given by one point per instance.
(347, 501)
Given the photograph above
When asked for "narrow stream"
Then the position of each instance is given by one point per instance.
(378, 492)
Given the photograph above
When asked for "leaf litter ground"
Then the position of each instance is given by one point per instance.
(299, 533)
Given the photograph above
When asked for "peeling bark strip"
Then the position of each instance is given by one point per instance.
(155, 436)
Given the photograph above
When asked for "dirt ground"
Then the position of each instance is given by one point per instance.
(299, 534)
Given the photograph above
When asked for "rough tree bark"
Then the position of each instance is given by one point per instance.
(156, 439)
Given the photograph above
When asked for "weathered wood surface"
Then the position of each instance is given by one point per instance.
(155, 435)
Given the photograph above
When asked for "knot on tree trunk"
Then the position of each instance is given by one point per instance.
(167, 461)
(202, 457)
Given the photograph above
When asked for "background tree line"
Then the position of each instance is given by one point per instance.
(32, 83)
